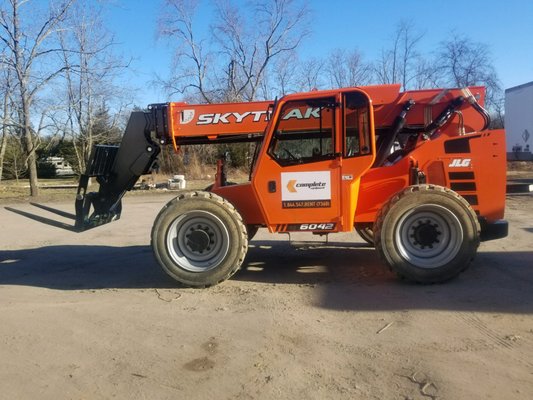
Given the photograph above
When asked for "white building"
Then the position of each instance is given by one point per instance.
(519, 122)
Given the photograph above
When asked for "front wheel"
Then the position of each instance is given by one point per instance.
(199, 239)
(427, 234)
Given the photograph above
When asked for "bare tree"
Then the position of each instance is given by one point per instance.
(311, 74)
(3, 146)
(398, 64)
(191, 60)
(498, 113)
(90, 68)
(15, 159)
(282, 77)
(347, 69)
(245, 42)
(462, 62)
(426, 74)
(29, 46)
(6, 86)
(278, 28)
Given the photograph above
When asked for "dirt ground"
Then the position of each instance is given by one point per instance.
(90, 316)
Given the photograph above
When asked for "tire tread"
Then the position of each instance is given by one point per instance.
(382, 213)
(227, 206)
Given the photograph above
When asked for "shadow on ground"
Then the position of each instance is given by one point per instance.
(346, 277)
(82, 267)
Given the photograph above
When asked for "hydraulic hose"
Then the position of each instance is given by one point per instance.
(444, 116)
(386, 145)
(473, 102)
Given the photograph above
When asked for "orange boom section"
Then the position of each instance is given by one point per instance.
(208, 123)
(227, 122)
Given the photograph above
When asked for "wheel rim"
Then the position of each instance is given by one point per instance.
(429, 236)
(197, 241)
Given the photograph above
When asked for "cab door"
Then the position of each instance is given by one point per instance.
(358, 150)
(297, 176)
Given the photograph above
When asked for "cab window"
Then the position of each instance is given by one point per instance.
(356, 125)
(305, 132)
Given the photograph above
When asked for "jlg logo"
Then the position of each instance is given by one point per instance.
(460, 163)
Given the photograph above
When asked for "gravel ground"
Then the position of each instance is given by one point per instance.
(90, 316)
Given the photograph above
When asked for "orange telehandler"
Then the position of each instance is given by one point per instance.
(416, 173)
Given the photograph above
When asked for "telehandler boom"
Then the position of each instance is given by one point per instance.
(417, 173)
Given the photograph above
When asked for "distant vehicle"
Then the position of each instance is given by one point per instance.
(62, 167)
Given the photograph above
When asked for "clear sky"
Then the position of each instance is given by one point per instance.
(506, 26)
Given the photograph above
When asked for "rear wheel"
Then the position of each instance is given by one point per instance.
(427, 234)
(199, 239)
(365, 231)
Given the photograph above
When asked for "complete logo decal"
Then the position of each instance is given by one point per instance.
(306, 189)
(293, 185)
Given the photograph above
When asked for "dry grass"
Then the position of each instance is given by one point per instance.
(519, 169)
(52, 190)
(196, 169)
(520, 166)
(200, 177)
(12, 191)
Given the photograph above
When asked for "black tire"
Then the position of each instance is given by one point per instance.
(199, 239)
(252, 230)
(427, 234)
(365, 231)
